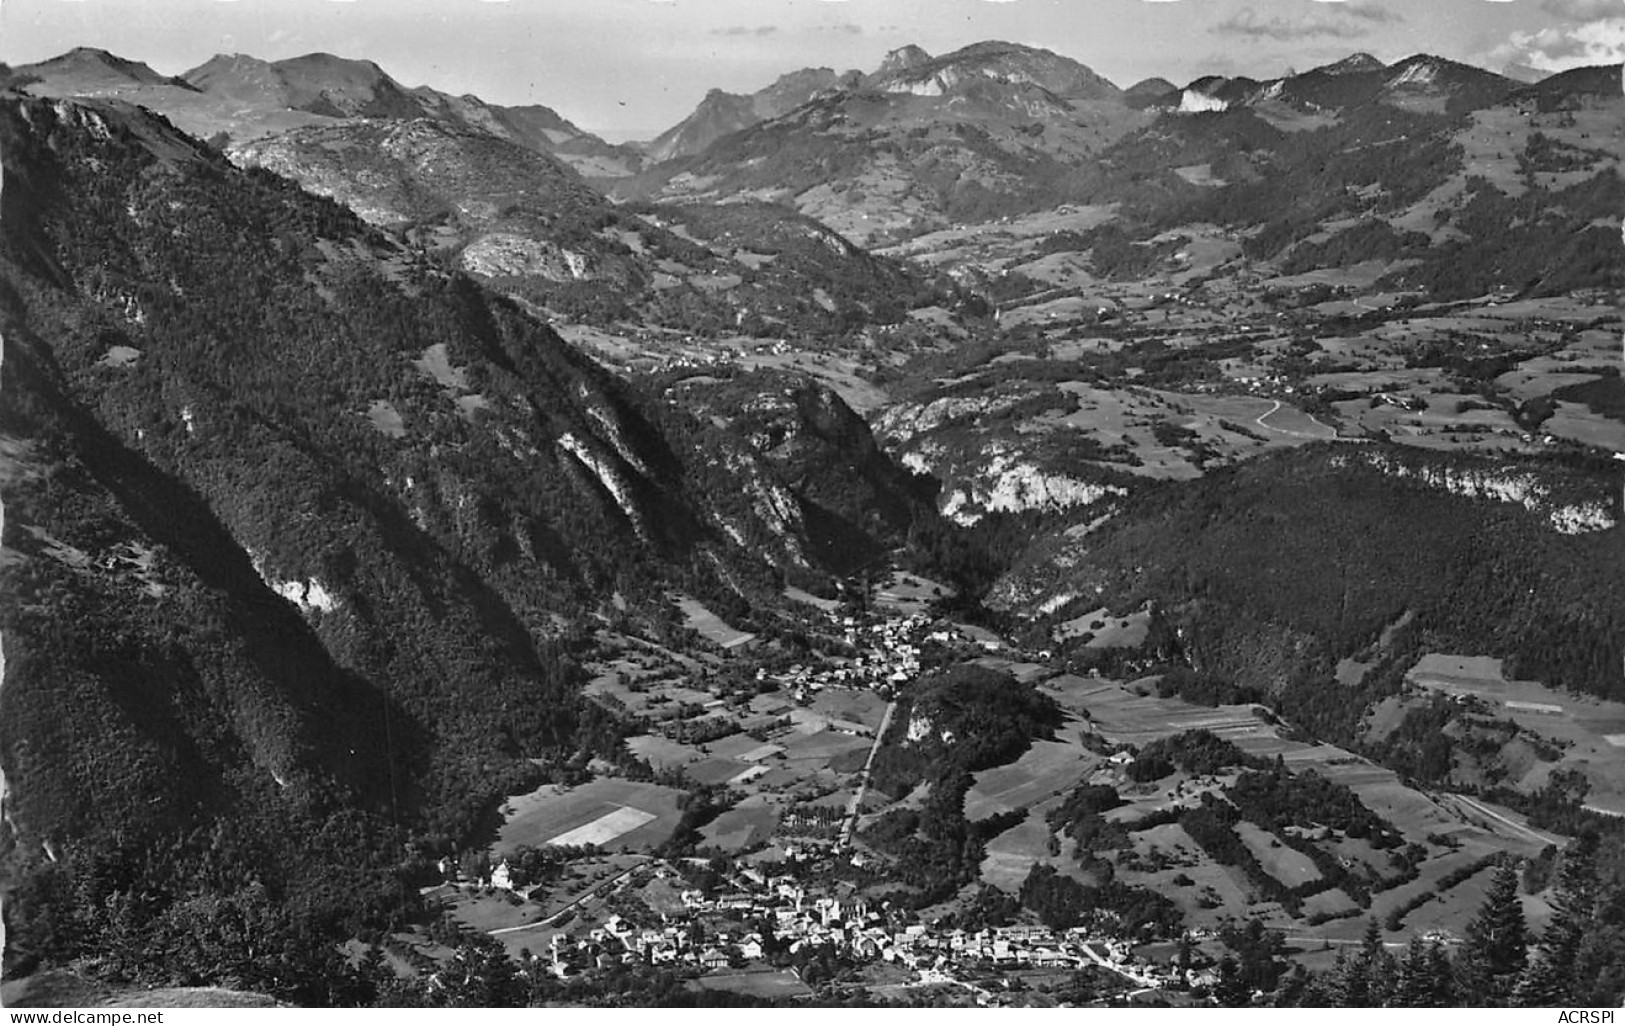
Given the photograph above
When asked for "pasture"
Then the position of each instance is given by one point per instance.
(1589, 731)
(1009, 857)
(1105, 630)
(709, 625)
(1047, 768)
(762, 983)
(1288, 865)
(742, 827)
(661, 753)
(908, 593)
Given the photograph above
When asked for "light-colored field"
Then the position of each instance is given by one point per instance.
(1105, 630)
(1577, 423)
(1211, 883)
(771, 983)
(742, 827)
(1127, 718)
(435, 364)
(709, 625)
(827, 605)
(715, 771)
(822, 746)
(840, 374)
(1010, 857)
(1047, 768)
(850, 706)
(662, 753)
(1329, 903)
(552, 812)
(487, 912)
(1288, 865)
(1580, 725)
(909, 593)
(1291, 421)
(606, 828)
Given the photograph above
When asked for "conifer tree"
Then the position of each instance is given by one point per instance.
(1497, 944)
(1375, 968)
(1550, 977)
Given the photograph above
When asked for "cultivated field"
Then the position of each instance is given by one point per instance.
(709, 625)
(1589, 731)
(610, 813)
(1047, 768)
(769, 983)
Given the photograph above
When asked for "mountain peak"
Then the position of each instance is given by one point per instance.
(1151, 87)
(1004, 62)
(1354, 64)
(904, 58)
(91, 67)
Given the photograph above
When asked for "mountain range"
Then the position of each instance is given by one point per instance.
(347, 424)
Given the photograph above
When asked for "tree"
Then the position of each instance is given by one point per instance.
(1231, 991)
(1369, 977)
(1497, 943)
(1550, 977)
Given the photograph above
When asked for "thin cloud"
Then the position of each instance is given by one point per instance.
(1248, 24)
(1374, 13)
(739, 31)
(1584, 10)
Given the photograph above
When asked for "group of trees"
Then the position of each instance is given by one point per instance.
(1578, 959)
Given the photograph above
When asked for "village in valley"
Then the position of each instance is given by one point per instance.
(739, 924)
(781, 884)
(782, 892)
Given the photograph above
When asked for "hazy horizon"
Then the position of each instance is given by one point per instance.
(628, 69)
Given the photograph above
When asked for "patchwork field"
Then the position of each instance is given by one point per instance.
(1589, 731)
(611, 813)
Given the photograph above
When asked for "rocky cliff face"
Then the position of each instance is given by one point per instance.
(1507, 484)
(855, 501)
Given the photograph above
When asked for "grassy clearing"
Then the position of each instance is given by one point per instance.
(768, 983)
(851, 706)
(1105, 630)
(1047, 768)
(907, 593)
(1010, 856)
(709, 625)
(1288, 865)
(662, 753)
(496, 911)
(824, 744)
(742, 827)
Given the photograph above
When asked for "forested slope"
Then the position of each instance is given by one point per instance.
(300, 534)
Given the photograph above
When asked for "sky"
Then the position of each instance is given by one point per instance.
(630, 68)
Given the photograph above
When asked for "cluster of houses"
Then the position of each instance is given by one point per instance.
(764, 915)
(889, 651)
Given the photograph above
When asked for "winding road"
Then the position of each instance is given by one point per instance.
(1331, 432)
